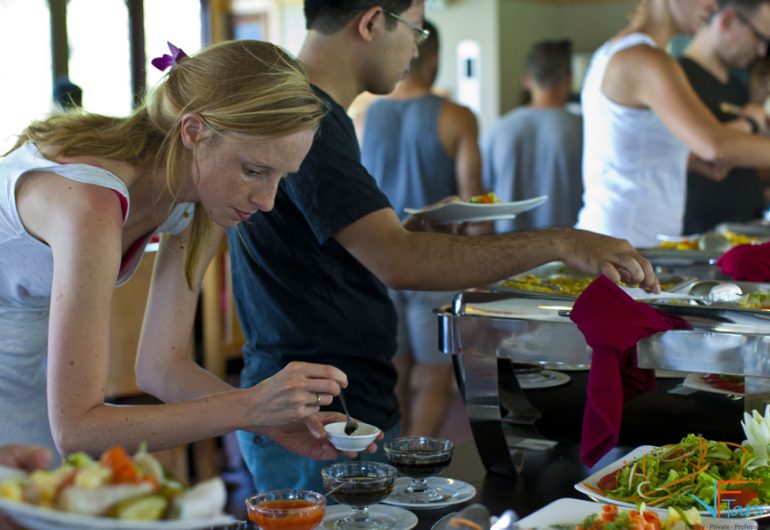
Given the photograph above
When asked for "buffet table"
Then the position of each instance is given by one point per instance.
(544, 476)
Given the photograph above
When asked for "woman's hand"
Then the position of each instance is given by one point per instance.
(308, 437)
(294, 393)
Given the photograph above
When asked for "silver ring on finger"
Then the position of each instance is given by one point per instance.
(318, 400)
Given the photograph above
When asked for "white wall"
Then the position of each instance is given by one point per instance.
(506, 29)
(469, 19)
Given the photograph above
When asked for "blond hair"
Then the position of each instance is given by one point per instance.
(248, 87)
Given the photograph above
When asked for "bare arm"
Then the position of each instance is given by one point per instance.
(642, 76)
(82, 225)
(459, 134)
(164, 346)
(434, 261)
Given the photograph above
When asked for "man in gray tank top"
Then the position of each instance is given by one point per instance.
(420, 148)
(537, 149)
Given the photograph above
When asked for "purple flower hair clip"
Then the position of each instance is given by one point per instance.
(166, 61)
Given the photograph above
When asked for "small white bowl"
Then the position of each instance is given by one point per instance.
(358, 441)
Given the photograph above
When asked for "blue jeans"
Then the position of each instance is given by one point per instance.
(273, 467)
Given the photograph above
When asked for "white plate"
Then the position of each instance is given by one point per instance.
(573, 511)
(37, 518)
(397, 518)
(589, 486)
(460, 211)
(542, 379)
(697, 382)
(460, 492)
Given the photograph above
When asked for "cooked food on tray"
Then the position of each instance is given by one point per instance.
(759, 299)
(730, 383)
(696, 242)
(117, 485)
(565, 285)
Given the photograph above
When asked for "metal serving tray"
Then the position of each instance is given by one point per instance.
(672, 257)
(557, 270)
(759, 229)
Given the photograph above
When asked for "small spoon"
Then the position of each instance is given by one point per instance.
(350, 424)
(338, 486)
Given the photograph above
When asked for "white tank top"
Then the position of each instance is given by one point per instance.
(26, 275)
(634, 168)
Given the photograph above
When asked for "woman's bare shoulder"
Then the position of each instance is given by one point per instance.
(634, 70)
(47, 202)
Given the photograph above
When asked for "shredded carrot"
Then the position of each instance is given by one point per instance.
(459, 522)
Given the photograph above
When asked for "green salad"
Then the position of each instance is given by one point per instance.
(678, 475)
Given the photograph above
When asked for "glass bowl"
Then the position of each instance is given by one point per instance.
(359, 484)
(286, 509)
(419, 458)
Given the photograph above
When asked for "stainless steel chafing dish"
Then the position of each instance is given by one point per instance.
(486, 329)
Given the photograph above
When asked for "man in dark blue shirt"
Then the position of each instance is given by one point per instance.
(310, 276)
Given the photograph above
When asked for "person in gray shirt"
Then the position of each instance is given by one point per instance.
(536, 149)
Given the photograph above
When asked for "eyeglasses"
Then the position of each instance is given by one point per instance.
(761, 37)
(420, 34)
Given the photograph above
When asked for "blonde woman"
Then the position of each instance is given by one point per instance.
(642, 119)
(81, 195)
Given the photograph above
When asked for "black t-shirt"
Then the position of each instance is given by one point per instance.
(300, 295)
(738, 198)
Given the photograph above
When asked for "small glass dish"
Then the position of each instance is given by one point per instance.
(286, 509)
(419, 458)
(359, 485)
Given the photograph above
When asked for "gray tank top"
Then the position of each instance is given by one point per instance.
(26, 276)
(403, 152)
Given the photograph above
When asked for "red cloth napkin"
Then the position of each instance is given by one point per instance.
(612, 323)
(748, 263)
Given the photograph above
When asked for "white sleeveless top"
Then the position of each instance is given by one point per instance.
(634, 168)
(26, 276)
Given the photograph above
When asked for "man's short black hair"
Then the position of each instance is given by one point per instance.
(328, 16)
(549, 62)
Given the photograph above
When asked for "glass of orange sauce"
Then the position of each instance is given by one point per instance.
(286, 509)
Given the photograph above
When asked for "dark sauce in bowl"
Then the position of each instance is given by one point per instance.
(420, 464)
(360, 491)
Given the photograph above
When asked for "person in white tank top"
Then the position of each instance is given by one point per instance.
(641, 121)
(80, 196)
